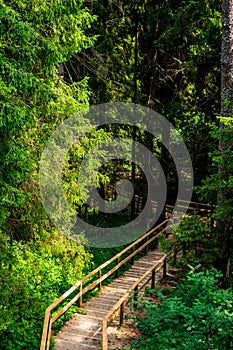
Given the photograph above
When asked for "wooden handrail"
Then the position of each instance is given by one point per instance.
(120, 304)
(49, 320)
(192, 206)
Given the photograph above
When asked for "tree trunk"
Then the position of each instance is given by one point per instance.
(136, 20)
(224, 226)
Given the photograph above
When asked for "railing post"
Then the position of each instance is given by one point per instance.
(153, 279)
(164, 268)
(135, 297)
(80, 299)
(100, 283)
(132, 259)
(122, 313)
(117, 271)
(104, 335)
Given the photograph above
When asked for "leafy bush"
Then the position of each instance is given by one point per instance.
(32, 276)
(197, 315)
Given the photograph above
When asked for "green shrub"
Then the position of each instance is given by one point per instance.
(32, 276)
(196, 316)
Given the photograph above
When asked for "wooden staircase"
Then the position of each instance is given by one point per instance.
(84, 332)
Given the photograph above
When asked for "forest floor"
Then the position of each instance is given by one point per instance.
(121, 337)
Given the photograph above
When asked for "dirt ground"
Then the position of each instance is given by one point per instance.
(122, 337)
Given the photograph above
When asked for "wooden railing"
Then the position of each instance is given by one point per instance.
(132, 250)
(118, 308)
(193, 206)
(80, 288)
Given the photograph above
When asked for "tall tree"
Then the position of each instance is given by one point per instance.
(225, 222)
(36, 36)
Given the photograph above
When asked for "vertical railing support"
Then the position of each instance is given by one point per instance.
(117, 271)
(80, 299)
(153, 279)
(132, 259)
(164, 268)
(104, 335)
(100, 283)
(135, 297)
(122, 313)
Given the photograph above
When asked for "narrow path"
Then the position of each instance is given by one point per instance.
(83, 332)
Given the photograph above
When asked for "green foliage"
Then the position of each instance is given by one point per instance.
(196, 315)
(35, 38)
(220, 185)
(76, 189)
(194, 241)
(32, 277)
(220, 182)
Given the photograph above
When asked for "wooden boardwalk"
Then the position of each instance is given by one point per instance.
(83, 332)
